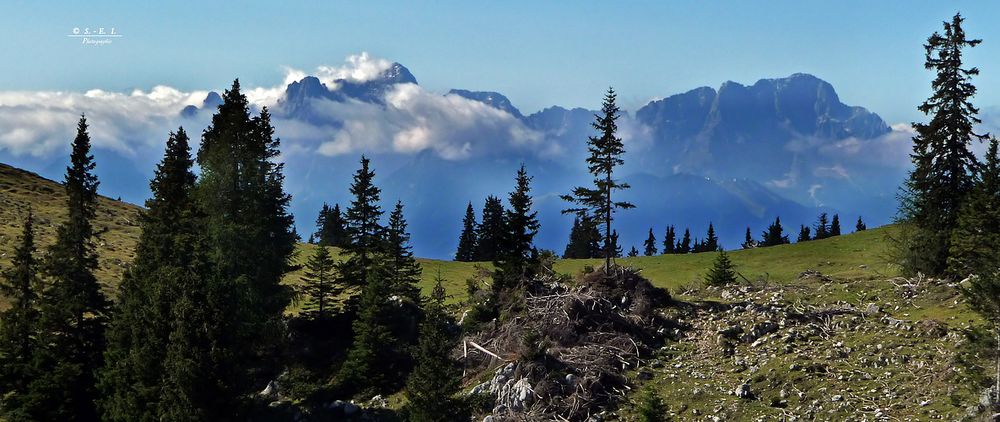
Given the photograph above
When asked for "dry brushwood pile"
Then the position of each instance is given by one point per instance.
(566, 355)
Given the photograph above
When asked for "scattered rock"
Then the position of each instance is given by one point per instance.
(743, 391)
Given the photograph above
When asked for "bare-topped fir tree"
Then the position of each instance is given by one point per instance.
(606, 151)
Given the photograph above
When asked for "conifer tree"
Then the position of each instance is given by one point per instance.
(241, 196)
(19, 286)
(363, 226)
(822, 227)
(517, 257)
(592, 238)
(835, 226)
(669, 241)
(975, 243)
(331, 227)
(605, 154)
(436, 379)
(572, 247)
(491, 230)
(684, 246)
(774, 235)
(584, 240)
(169, 263)
(723, 271)
(318, 282)
(803, 234)
(711, 241)
(633, 252)
(748, 241)
(651, 407)
(467, 240)
(373, 364)
(860, 225)
(616, 249)
(74, 311)
(650, 244)
(944, 166)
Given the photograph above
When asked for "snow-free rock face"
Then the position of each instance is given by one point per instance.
(492, 99)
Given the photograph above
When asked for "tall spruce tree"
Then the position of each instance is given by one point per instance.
(684, 246)
(319, 282)
(606, 151)
(74, 311)
(669, 241)
(331, 227)
(860, 225)
(711, 240)
(19, 286)
(403, 266)
(944, 166)
(593, 240)
(835, 225)
(649, 244)
(822, 227)
(517, 257)
(748, 241)
(975, 243)
(774, 235)
(491, 230)
(249, 239)
(578, 246)
(467, 240)
(374, 364)
(804, 235)
(633, 252)
(616, 248)
(363, 226)
(168, 253)
(432, 386)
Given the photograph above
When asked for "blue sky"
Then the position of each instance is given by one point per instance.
(537, 53)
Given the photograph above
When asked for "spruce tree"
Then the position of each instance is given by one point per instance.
(331, 227)
(835, 226)
(593, 239)
(860, 225)
(774, 235)
(491, 230)
(633, 252)
(748, 241)
(975, 243)
(169, 251)
(822, 227)
(517, 257)
(650, 244)
(432, 386)
(74, 311)
(403, 267)
(803, 234)
(723, 271)
(467, 240)
(684, 246)
(616, 249)
(363, 226)
(944, 166)
(711, 241)
(373, 364)
(651, 407)
(605, 154)
(249, 239)
(19, 286)
(669, 241)
(319, 282)
(573, 245)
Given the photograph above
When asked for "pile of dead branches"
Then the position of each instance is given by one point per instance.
(574, 344)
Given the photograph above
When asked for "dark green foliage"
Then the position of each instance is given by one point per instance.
(517, 258)
(860, 225)
(711, 242)
(835, 226)
(584, 240)
(669, 241)
(331, 228)
(467, 240)
(616, 249)
(74, 312)
(975, 242)
(169, 261)
(748, 241)
(684, 246)
(491, 230)
(363, 226)
(723, 272)
(774, 235)
(822, 228)
(319, 282)
(803, 234)
(249, 239)
(432, 387)
(650, 244)
(402, 265)
(575, 248)
(651, 407)
(633, 252)
(944, 166)
(19, 285)
(605, 154)
(374, 364)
